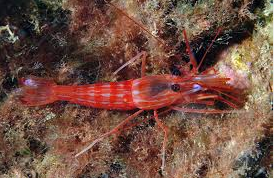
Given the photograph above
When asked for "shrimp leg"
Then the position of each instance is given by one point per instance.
(202, 111)
(138, 56)
(146, 119)
(165, 130)
(113, 131)
(143, 67)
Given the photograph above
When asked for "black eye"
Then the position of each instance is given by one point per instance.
(175, 87)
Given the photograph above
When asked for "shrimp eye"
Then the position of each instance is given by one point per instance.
(175, 87)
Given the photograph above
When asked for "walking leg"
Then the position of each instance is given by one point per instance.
(113, 131)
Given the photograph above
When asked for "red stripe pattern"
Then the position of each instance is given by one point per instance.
(112, 95)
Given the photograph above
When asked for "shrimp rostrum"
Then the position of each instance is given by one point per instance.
(145, 93)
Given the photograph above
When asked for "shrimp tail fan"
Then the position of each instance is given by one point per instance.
(36, 91)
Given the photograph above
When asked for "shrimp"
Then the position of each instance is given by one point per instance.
(145, 93)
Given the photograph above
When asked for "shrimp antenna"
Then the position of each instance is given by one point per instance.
(207, 50)
(190, 53)
(136, 23)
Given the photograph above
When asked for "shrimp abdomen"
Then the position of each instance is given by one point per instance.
(112, 95)
(36, 91)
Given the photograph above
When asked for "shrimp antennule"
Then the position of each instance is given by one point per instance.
(191, 55)
(207, 50)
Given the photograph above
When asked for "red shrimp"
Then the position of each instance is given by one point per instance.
(145, 93)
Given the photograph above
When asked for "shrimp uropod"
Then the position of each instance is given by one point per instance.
(145, 93)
